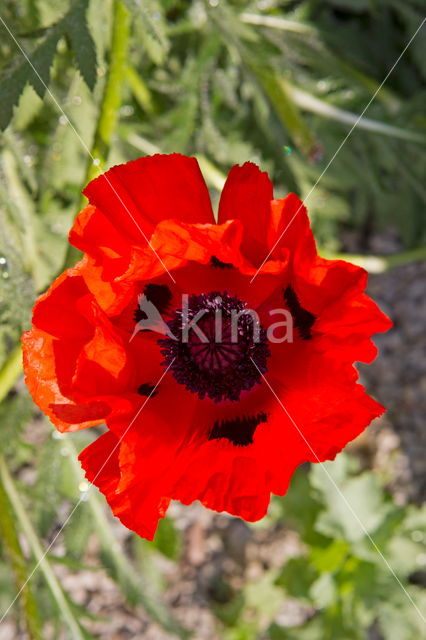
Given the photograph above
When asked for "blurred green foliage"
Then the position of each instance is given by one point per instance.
(278, 83)
(344, 576)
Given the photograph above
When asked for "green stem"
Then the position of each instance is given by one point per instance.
(18, 562)
(111, 99)
(10, 372)
(110, 103)
(39, 553)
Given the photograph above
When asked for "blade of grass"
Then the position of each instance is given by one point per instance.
(41, 558)
(277, 23)
(308, 102)
(386, 96)
(140, 90)
(10, 372)
(18, 563)
(285, 107)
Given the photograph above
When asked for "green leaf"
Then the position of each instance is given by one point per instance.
(152, 28)
(309, 102)
(354, 509)
(398, 619)
(329, 558)
(301, 507)
(297, 576)
(81, 41)
(37, 74)
(167, 539)
(35, 68)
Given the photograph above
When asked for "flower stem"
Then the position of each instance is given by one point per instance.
(111, 100)
(110, 104)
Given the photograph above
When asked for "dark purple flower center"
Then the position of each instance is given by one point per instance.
(218, 340)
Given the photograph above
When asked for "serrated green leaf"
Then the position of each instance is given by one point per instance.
(81, 41)
(152, 27)
(34, 68)
(37, 74)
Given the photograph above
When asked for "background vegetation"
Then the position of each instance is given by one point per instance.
(278, 83)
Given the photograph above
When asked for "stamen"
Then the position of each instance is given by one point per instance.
(213, 366)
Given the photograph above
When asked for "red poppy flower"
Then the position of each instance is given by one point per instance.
(224, 422)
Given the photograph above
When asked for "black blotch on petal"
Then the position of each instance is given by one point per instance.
(303, 319)
(215, 262)
(239, 431)
(160, 296)
(147, 389)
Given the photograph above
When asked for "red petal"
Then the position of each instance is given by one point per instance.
(137, 195)
(100, 460)
(42, 381)
(95, 234)
(290, 229)
(247, 196)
